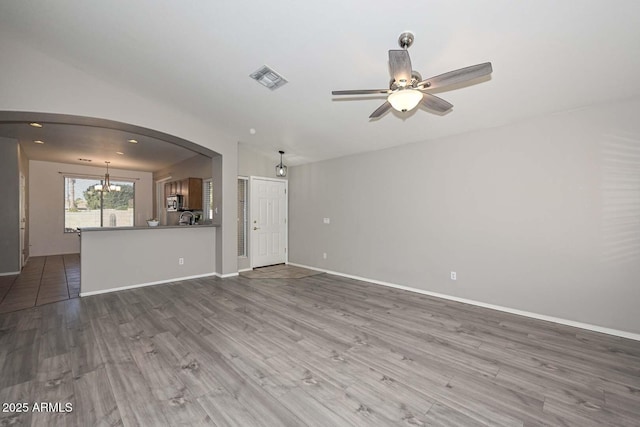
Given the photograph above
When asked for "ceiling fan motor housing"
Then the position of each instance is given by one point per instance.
(415, 79)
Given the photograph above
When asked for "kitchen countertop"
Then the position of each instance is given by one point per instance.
(146, 227)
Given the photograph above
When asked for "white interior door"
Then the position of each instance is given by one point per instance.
(268, 225)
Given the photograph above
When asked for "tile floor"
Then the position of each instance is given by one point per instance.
(43, 280)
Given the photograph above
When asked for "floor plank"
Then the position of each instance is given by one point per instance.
(317, 350)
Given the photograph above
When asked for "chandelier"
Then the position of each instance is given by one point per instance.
(106, 186)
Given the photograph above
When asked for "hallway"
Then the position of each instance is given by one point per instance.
(43, 280)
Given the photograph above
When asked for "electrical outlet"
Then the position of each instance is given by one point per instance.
(327, 220)
(324, 255)
(180, 261)
(454, 276)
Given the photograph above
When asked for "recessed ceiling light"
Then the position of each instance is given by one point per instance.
(35, 125)
(119, 152)
(133, 141)
(37, 141)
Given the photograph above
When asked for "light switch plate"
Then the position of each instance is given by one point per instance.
(327, 220)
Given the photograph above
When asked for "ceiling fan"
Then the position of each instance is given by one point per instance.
(407, 89)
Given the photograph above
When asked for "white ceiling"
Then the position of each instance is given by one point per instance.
(547, 56)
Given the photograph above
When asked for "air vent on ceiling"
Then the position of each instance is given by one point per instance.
(268, 78)
(84, 160)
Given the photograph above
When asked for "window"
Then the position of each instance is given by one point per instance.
(86, 207)
(242, 216)
(207, 199)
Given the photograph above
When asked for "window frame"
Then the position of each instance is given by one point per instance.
(100, 180)
(205, 208)
(245, 212)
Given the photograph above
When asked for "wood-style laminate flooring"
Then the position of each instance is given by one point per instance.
(43, 280)
(320, 351)
(279, 271)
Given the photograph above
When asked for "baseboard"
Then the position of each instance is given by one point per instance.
(320, 269)
(561, 321)
(10, 273)
(225, 276)
(56, 253)
(245, 269)
(142, 285)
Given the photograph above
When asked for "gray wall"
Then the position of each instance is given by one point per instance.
(10, 213)
(541, 216)
(198, 166)
(253, 163)
(144, 256)
(66, 89)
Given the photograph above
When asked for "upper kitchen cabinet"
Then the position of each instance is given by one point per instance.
(192, 192)
(169, 189)
(190, 189)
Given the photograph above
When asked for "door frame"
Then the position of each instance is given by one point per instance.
(249, 213)
(161, 201)
(23, 220)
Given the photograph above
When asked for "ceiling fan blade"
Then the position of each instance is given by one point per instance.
(400, 66)
(359, 92)
(457, 76)
(434, 103)
(381, 110)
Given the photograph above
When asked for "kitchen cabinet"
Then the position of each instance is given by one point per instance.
(190, 189)
(172, 188)
(169, 189)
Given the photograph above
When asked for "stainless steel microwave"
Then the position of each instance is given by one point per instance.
(174, 202)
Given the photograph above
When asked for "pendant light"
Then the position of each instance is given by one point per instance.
(106, 186)
(281, 170)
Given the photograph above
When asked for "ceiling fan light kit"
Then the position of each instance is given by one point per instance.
(405, 99)
(407, 90)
